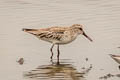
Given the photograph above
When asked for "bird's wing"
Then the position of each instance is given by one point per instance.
(58, 30)
(45, 33)
(53, 33)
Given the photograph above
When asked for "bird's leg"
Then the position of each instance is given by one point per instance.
(51, 51)
(58, 54)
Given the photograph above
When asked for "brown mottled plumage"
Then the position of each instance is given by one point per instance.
(58, 35)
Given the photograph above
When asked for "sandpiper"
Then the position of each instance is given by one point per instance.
(58, 35)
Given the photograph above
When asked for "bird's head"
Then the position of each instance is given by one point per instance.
(79, 29)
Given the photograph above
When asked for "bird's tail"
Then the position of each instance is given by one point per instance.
(114, 55)
(31, 31)
(25, 29)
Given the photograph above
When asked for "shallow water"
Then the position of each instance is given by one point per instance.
(101, 20)
(63, 71)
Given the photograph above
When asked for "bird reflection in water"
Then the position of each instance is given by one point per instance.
(57, 71)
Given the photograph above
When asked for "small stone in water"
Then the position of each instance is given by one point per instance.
(21, 61)
(86, 59)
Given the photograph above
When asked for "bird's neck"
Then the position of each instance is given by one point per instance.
(74, 33)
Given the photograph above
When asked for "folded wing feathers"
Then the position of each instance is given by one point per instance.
(53, 33)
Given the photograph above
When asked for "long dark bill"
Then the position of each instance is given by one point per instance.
(87, 36)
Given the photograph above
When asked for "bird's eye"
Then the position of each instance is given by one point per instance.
(81, 29)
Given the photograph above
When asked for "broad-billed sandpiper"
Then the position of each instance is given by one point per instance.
(58, 35)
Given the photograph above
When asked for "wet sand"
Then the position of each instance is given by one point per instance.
(101, 20)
